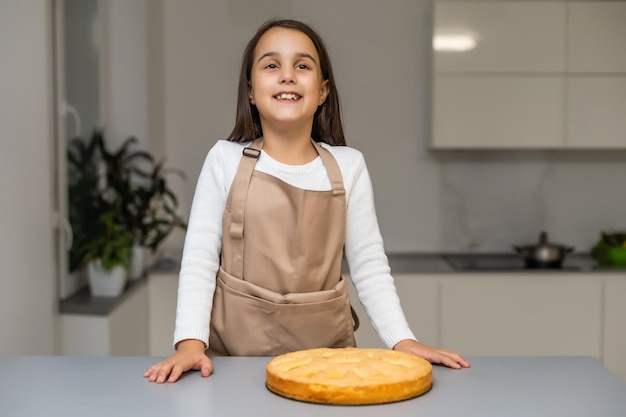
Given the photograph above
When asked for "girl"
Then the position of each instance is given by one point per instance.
(276, 206)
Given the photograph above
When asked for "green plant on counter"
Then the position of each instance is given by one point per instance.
(86, 202)
(117, 199)
(610, 249)
(111, 244)
(156, 207)
(148, 205)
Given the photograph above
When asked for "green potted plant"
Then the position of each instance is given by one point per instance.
(147, 204)
(156, 208)
(102, 241)
(120, 206)
(85, 198)
(610, 249)
(107, 254)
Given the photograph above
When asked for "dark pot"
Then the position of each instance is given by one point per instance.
(544, 254)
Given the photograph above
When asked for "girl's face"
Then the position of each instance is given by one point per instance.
(286, 80)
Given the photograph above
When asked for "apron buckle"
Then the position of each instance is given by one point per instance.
(251, 153)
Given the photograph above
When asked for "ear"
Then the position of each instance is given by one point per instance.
(250, 94)
(324, 90)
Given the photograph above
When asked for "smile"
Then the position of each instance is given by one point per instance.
(287, 97)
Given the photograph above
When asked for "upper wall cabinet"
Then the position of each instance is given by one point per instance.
(596, 112)
(597, 32)
(499, 36)
(498, 112)
(529, 75)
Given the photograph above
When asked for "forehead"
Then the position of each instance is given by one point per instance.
(285, 42)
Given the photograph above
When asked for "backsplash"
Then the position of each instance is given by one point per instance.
(492, 200)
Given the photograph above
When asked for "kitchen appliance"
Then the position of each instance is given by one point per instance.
(544, 254)
(494, 262)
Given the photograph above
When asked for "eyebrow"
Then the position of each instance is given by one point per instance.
(298, 54)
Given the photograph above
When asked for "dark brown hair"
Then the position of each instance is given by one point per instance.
(327, 126)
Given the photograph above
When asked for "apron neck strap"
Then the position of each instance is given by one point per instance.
(240, 186)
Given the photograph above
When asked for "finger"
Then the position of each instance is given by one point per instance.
(163, 373)
(177, 371)
(153, 372)
(458, 358)
(151, 369)
(207, 368)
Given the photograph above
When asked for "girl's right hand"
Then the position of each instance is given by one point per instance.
(189, 355)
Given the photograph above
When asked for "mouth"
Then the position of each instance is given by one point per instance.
(287, 97)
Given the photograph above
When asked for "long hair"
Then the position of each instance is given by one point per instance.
(327, 125)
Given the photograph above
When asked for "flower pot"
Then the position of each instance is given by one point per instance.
(137, 265)
(104, 283)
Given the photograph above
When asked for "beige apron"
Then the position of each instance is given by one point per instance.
(279, 287)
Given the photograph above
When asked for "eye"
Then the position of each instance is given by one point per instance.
(303, 66)
(271, 66)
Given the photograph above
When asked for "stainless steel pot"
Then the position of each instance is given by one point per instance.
(544, 254)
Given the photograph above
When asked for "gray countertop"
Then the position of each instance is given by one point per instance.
(437, 263)
(83, 303)
(114, 386)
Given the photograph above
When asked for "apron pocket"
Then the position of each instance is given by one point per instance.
(314, 325)
(241, 325)
(248, 320)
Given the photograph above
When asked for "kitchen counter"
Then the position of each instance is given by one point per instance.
(114, 386)
(423, 263)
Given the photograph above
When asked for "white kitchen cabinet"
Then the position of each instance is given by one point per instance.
(597, 30)
(162, 293)
(596, 112)
(541, 75)
(508, 36)
(121, 332)
(515, 112)
(529, 314)
(614, 342)
(419, 299)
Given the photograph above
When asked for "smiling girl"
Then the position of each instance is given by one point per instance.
(276, 207)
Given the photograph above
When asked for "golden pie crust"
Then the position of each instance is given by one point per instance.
(349, 376)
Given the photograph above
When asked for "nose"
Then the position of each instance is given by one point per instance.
(287, 75)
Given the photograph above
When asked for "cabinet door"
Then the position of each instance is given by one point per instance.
(597, 31)
(512, 314)
(615, 327)
(498, 112)
(418, 297)
(128, 325)
(162, 297)
(507, 36)
(596, 112)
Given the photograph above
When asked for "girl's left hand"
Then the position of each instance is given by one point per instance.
(432, 355)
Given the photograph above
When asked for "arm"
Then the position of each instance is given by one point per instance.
(197, 276)
(201, 252)
(371, 274)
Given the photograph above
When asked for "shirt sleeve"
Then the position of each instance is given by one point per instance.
(369, 266)
(201, 252)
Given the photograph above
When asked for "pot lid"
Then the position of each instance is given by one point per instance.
(544, 242)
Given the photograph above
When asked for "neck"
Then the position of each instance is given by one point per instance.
(289, 146)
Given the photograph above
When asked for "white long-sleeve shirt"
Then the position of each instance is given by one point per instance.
(369, 266)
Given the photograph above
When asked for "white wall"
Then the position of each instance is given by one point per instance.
(27, 308)
(125, 71)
